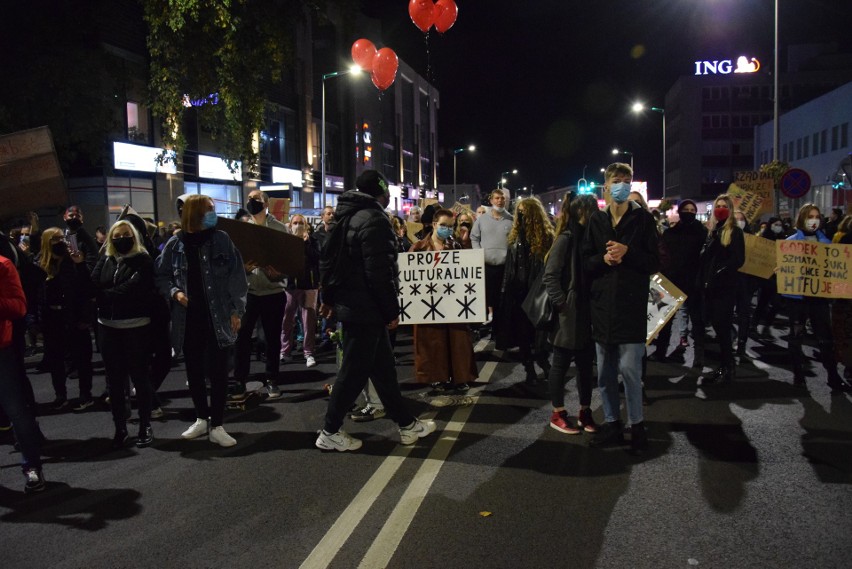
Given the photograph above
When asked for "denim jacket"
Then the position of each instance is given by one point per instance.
(224, 281)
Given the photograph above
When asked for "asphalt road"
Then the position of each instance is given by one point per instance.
(755, 474)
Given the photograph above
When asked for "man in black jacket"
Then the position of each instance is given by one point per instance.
(619, 255)
(681, 245)
(359, 283)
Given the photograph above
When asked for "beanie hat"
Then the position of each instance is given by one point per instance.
(372, 182)
(686, 202)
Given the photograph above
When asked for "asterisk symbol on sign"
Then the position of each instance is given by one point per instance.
(431, 288)
(470, 288)
(433, 311)
(415, 289)
(449, 288)
(466, 306)
(403, 314)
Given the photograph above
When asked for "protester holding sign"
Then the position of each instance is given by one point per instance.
(768, 301)
(801, 308)
(746, 286)
(443, 353)
(718, 277)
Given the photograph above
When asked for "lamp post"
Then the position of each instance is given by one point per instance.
(355, 70)
(638, 108)
(616, 152)
(503, 176)
(456, 152)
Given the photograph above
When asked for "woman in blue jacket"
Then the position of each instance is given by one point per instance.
(801, 308)
(202, 273)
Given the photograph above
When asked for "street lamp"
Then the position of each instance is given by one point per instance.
(354, 70)
(638, 108)
(456, 152)
(616, 152)
(504, 174)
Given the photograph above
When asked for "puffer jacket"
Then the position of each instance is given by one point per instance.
(13, 303)
(223, 278)
(358, 267)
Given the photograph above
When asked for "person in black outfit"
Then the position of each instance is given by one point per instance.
(680, 247)
(359, 281)
(723, 254)
(768, 300)
(124, 281)
(67, 314)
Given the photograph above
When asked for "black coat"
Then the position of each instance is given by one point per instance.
(619, 293)
(563, 275)
(681, 245)
(125, 287)
(718, 265)
(358, 265)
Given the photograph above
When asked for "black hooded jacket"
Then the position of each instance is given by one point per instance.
(682, 245)
(358, 265)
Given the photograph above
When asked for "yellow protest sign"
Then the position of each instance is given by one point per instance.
(426, 202)
(759, 256)
(459, 209)
(411, 229)
(809, 268)
(759, 183)
(749, 204)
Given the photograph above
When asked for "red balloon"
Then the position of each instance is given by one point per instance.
(363, 52)
(446, 12)
(385, 64)
(422, 13)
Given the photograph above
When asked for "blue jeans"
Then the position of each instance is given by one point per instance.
(627, 359)
(14, 403)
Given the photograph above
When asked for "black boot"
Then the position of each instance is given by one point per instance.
(638, 438)
(146, 436)
(545, 366)
(532, 376)
(120, 438)
(609, 434)
(721, 375)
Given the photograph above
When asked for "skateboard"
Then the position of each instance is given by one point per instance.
(242, 400)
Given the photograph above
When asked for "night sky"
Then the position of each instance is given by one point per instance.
(545, 86)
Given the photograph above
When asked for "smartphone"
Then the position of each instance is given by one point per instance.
(72, 242)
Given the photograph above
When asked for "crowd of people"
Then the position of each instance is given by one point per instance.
(152, 294)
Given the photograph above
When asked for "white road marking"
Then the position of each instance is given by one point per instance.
(328, 547)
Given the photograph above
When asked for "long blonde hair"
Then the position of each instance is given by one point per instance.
(537, 227)
(49, 262)
(138, 246)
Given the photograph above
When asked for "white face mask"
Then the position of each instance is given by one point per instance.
(812, 225)
(776, 229)
(498, 209)
(741, 224)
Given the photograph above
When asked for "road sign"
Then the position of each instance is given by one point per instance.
(795, 183)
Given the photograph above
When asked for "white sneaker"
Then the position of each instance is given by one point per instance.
(198, 428)
(286, 358)
(341, 440)
(416, 430)
(221, 438)
(157, 413)
(310, 361)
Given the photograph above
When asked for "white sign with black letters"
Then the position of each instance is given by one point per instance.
(442, 287)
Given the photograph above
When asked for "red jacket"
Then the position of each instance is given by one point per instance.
(13, 303)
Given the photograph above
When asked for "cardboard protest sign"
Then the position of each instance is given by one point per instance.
(664, 300)
(459, 209)
(442, 287)
(412, 229)
(759, 256)
(279, 208)
(749, 204)
(809, 268)
(30, 176)
(759, 183)
(265, 246)
(427, 202)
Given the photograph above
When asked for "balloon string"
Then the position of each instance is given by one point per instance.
(428, 58)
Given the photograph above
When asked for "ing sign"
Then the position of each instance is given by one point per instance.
(726, 66)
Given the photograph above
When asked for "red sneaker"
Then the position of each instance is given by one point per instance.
(586, 421)
(559, 421)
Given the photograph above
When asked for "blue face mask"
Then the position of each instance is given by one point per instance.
(209, 220)
(620, 192)
(444, 233)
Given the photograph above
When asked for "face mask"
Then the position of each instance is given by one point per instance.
(123, 245)
(254, 207)
(444, 233)
(74, 224)
(687, 217)
(811, 225)
(298, 228)
(777, 229)
(620, 192)
(209, 220)
(59, 249)
(741, 224)
(465, 224)
(24, 239)
(721, 214)
(498, 209)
